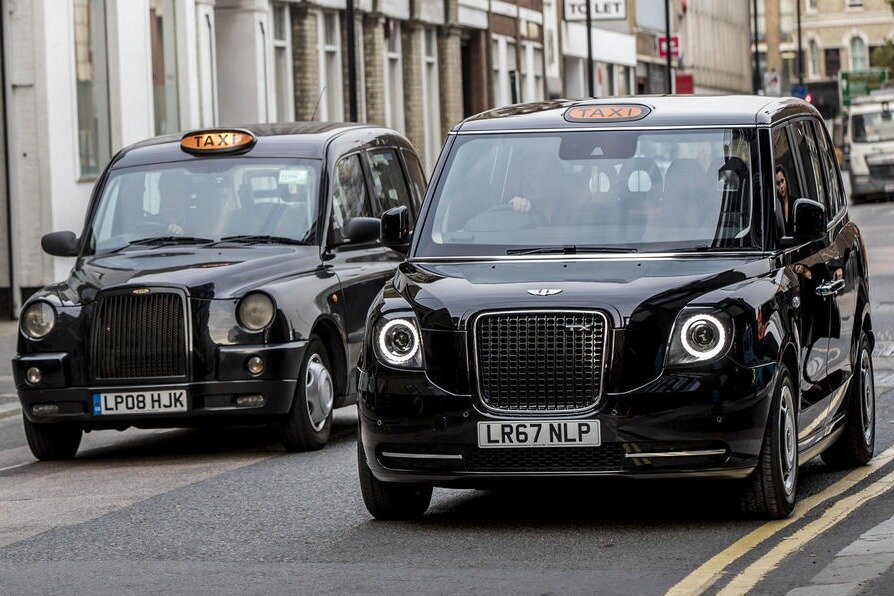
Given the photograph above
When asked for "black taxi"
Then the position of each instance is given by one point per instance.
(642, 287)
(221, 276)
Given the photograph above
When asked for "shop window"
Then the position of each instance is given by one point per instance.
(92, 81)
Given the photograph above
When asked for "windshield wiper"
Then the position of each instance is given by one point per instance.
(569, 250)
(162, 240)
(259, 239)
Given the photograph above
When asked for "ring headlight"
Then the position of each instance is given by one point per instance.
(397, 343)
(699, 336)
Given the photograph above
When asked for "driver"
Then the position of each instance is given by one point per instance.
(175, 199)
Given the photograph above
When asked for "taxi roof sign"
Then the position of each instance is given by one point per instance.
(217, 141)
(607, 113)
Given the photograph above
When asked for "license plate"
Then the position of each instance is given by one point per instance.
(889, 187)
(139, 402)
(540, 433)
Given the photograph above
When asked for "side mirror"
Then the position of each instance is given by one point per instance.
(396, 229)
(810, 220)
(60, 244)
(361, 230)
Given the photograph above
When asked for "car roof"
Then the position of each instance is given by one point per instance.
(666, 110)
(287, 139)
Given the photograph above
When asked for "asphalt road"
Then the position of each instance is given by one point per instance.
(227, 511)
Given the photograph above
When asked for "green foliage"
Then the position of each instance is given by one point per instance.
(883, 56)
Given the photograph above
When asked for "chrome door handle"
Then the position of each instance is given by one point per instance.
(830, 288)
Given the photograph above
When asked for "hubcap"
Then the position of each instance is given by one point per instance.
(867, 389)
(318, 392)
(788, 438)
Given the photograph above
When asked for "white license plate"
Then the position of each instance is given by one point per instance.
(540, 433)
(139, 402)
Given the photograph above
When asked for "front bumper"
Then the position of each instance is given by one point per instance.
(701, 424)
(871, 186)
(208, 400)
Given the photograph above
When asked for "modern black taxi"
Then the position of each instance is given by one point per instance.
(222, 276)
(643, 287)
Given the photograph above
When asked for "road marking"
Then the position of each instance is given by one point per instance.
(709, 572)
(754, 573)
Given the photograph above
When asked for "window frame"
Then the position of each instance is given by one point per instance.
(379, 207)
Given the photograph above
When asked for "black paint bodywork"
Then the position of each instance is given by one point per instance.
(646, 406)
(319, 290)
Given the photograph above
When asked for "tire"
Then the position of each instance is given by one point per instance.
(308, 425)
(856, 445)
(52, 442)
(771, 490)
(390, 500)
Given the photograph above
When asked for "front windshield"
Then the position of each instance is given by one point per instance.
(584, 190)
(872, 127)
(208, 200)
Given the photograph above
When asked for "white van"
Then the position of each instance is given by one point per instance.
(870, 138)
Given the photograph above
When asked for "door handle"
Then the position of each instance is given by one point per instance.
(830, 288)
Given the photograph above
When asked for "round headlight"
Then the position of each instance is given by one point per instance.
(255, 311)
(703, 336)
(397, 343)
(38, 319)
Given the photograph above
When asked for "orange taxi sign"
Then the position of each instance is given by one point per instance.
(216, 141)
(607, 113)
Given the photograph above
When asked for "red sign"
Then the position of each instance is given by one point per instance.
(674, 46)
(684, 84)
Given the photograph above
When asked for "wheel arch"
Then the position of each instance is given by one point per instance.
(328, 331)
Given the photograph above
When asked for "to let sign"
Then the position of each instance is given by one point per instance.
(600, 10)
(674, 46)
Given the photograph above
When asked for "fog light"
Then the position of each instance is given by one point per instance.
(250, 401)
(255, 365)
(45, 409)
(33, 375)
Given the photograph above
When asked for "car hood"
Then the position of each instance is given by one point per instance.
(445, 295)
(204, 272)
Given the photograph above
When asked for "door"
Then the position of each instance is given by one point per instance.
(842, 261)
(807, 269)
(361, 269)
(829, 277)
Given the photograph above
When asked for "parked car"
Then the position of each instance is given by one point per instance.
(870, 146)
(644, 287)
(221, 277)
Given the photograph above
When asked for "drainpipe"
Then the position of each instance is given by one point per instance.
(15, 294)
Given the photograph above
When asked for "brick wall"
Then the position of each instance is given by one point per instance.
(450, 78)
(411, 44)
(306, 63)
(373, 68)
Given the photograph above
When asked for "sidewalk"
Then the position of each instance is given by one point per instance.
(8, 400)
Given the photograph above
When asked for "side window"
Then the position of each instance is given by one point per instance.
(785, 180)
(417, 177)
(833, 181)
(349, 198)
(389, 183)
(802, 133)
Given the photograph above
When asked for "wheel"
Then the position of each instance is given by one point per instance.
(309, 424)
(50, 442)
(856, 444)
(390, 500)
(771, 489)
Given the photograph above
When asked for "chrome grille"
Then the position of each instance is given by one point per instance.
(140, 336)
(536, 361)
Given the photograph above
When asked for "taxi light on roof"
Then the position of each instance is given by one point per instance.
(216, 141)
(607, 113)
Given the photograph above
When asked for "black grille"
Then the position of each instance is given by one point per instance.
(140, 336)
(884, 171)
(606, 458)
(540, 361)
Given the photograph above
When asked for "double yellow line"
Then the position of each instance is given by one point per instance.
(714, 568)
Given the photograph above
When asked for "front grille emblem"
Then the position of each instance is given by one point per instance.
(141, 291)
(544, 291)
(579, 326)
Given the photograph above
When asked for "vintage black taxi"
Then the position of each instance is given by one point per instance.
(643, 287)
(221, 276)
